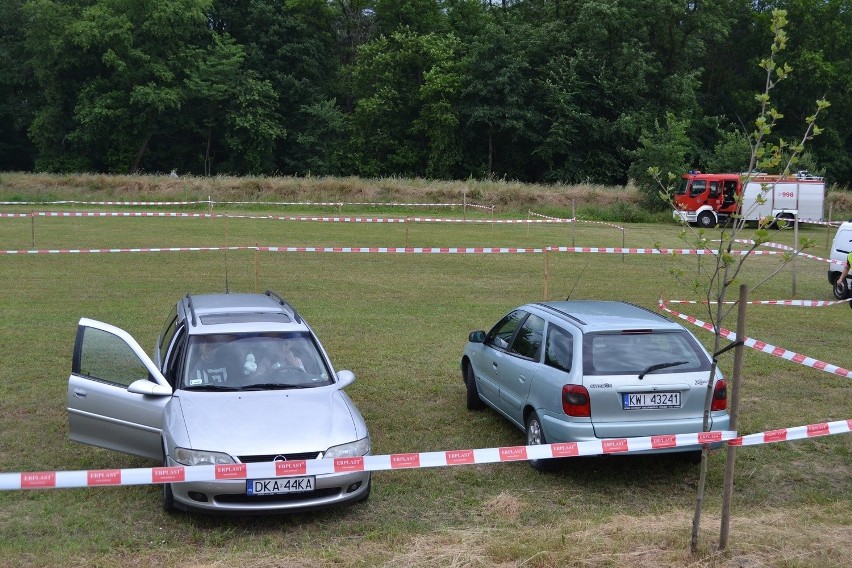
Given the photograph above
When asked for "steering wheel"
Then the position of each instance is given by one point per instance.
(289, 369)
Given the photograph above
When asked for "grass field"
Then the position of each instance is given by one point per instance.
(400, 322)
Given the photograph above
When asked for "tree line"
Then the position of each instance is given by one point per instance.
(544, 91)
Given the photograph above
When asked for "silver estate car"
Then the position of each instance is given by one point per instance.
(574, 371)
(235, 378)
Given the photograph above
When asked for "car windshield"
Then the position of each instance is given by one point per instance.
(629, 353)
(254, 361)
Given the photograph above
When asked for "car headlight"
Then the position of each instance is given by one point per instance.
(200, 457)
(361, 447)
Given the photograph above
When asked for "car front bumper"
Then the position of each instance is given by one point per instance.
(231, 496)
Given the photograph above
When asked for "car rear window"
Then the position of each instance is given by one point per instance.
(632, 353)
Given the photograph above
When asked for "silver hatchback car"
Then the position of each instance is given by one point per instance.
(235, 378)
(576, 371)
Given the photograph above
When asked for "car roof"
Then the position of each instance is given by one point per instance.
(606, 315)
(238, 312)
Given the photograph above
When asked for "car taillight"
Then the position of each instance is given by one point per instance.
(720, 396)
(575, 401)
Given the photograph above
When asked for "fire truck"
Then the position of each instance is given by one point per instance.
(706, 200)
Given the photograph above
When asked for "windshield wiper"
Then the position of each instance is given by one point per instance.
(659, 366)
(274, 386)
(210, 388)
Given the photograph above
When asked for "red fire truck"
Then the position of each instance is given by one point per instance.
(710, 199)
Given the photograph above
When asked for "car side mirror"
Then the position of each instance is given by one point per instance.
(345, 378)
(146, 387)
(476, 337)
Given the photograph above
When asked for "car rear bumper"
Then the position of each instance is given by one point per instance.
(559, 430)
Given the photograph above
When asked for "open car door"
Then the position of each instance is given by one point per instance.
(116, 394)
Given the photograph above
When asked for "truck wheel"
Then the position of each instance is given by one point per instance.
(786, 217)
(706, 220)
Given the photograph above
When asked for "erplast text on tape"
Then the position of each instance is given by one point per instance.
(762, 346)
(177, 474)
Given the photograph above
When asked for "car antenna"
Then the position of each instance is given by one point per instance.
(571, 291)
(226, 254)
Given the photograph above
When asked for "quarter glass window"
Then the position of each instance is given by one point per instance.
(559, 350)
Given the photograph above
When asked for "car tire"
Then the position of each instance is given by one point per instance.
(535, 437)
(366, 494)
(693, 457)
(706, 220)
(168, 499)
(841, 290)
(473, 400)
(168, 494)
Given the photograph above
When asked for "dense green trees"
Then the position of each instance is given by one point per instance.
(535, 90)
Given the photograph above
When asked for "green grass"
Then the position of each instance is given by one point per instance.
(400, 322)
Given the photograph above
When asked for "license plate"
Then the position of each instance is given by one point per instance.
(646, 400)
(279, 485)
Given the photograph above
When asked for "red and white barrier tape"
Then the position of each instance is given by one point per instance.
(336, 219)
(133, 203)
(252, 203)
(803, 303)
(142, 476)
(666, 251)
(764, 347)
(119, 214)
(791, 249)
(795, 433)
(395, 250)
(202, 473)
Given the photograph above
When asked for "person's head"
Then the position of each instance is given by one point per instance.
(207, 346)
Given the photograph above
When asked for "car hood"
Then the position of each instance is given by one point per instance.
(265, 422)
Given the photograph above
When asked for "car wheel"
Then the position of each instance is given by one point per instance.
(841, 290)
(692, 458)
(535, 437)
(168, 498)
(706, 220)
(366, 494)
(473, 400)
(168, 495)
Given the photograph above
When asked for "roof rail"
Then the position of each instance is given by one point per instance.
(193, 319)
(284, 303)
(562, 312)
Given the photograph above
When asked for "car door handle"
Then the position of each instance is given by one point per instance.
(80, 393)
(522, 379)
(494, 365)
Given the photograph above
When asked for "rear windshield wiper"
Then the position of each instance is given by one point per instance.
(659, 366)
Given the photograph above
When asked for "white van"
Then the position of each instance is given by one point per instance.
(840, 248)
